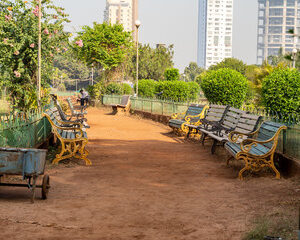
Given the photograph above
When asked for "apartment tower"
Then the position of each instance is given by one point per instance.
(214, 31)
(124, 12)
(275, 20)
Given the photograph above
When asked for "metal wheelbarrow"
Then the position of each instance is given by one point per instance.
(29, 163)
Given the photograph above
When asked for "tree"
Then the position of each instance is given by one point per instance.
(68, 64)
(231, 63)
(152, 62)
(104, 46)
(192, 71)
(18, 47)
(172, 74)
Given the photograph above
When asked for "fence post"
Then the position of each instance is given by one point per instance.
(284, 136)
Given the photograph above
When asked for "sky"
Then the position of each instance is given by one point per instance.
(174, 22)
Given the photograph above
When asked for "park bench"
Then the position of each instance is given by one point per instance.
(124, 106)
(227, 124)
(193, 115)
(215, 114)
(75, 113)
(234, 120)
(257, 148)
(72, 136)
(65, 117)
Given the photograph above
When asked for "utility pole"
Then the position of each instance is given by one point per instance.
(39, 54)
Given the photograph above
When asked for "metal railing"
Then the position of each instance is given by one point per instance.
(23, 129)
(289, 142)
(155, 106)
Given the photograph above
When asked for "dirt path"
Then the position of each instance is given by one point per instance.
(144, 184)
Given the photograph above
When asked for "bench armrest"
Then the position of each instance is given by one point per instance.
(178, 115)
(247, 144)
(235, 135)
(71, 123)
(219, 128)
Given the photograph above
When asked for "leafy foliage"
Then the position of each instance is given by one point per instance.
(281, 91)
(225, 86)
(104, 46)
(147, 88)
(118, 88)
(114, 88)
(231, 63)
(172, 74)
(192, 71)
(152, 62)
(97, 90)
(126, 88)
(18, 47)
(178, 90)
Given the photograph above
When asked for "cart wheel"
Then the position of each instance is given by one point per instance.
(45, 186)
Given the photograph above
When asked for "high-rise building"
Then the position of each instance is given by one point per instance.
(275, 19)
(214, 31)
(124, 12)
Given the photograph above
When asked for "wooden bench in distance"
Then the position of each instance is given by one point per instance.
(124, 106)
(193, 115)
(75, 113)
(71, 135)
(257, 150)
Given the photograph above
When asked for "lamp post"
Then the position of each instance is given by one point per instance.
(39, 55)
(294, 54)
(137, 25)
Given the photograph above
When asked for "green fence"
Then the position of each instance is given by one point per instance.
(23, 130)
(155, 106)
(289, 142)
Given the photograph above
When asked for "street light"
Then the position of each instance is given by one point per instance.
(137, 25)
(294, 53)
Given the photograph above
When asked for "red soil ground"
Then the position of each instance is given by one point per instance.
(144, 184)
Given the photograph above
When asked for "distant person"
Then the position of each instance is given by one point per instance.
(84, 99)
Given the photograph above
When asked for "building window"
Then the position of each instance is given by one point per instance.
(290, 12)
(276, 21)
(276, 3)
(273, 29)
(276, 12)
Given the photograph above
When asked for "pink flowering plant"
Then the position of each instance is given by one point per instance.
(19, 46)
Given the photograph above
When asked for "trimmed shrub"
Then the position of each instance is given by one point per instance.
(281, 91)
(126, 88)
(225, 86)
(96, 90)
(114, 88)
(172, 74)
(147, 88)
(178, 90)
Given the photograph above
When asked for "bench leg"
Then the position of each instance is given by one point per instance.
(65, 148)
(228, 159)
(213, 147)
(203, 136)
(272, 166)
(83, 153)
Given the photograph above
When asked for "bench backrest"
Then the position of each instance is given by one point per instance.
(194, 110)
(267, 131)
(70, 105)
(248, 123)
(216, 113)
(231, 118)
(125, 100)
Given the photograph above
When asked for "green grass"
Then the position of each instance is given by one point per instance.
(278, 224)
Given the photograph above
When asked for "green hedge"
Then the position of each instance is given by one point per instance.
(225, 86)
(281, 91)
(147, 88)
(172, 74)
(178, 90)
